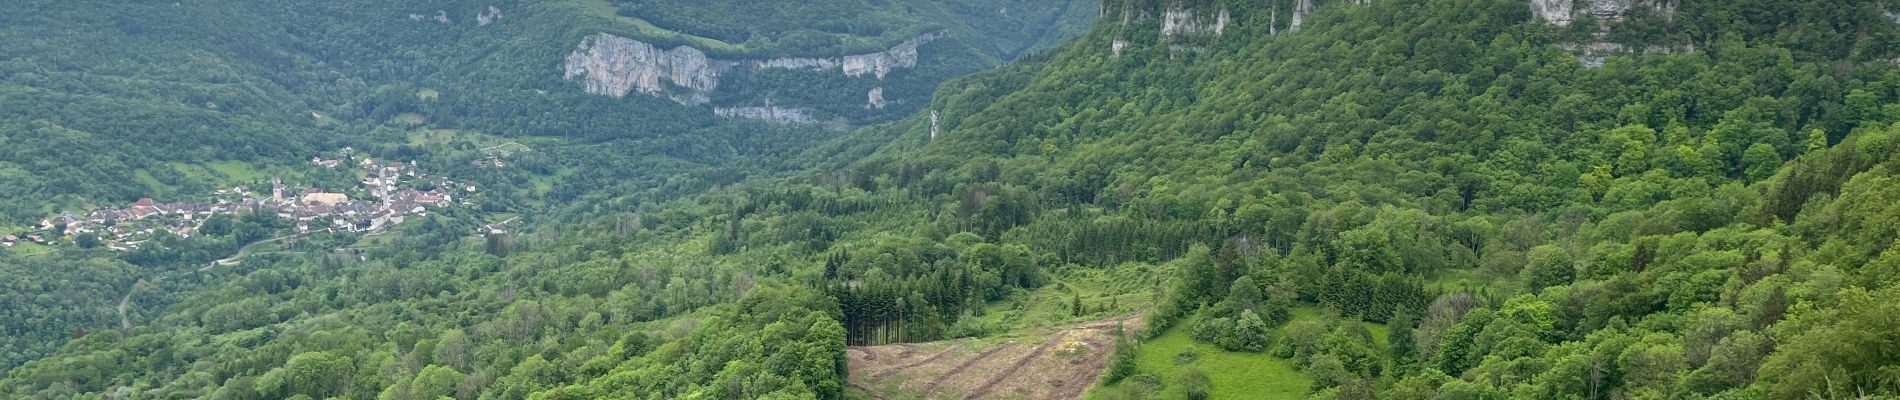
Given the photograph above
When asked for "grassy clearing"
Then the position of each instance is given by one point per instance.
(606, 9)
(1234, 375)
(424, 137)
(1381, 335)
(453, 139)
(221, 174)
(541, 184)
(409, 119)
(236, 171)
(29, 250)
(386, 238)
(1457, 279)
(1108, 292)
(151, 183)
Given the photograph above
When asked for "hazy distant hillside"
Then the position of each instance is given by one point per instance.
(140, 86)
(109, 102)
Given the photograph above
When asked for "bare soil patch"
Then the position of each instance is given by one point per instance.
(1038, 364)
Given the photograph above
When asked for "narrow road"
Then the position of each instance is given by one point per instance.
(243, 252)
(486, 149)
(124, 322)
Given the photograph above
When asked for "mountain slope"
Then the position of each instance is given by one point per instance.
(1474, 207)
(1397, 144)
(268, 82)
(109, 103)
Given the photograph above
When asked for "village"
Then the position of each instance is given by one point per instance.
(392, 189)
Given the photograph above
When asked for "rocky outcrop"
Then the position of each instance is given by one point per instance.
(1301, 9)
(934, 128)
(1181, 24)
(1553, 11)
(1177, 21)
(1182, 21)
(441, 16)
(1595, 52)
(1564, 12)
(612, 65)
(904, 55)
(488, 17)
(800, 63)
(875, 98)
(768, 113)
(879, 64)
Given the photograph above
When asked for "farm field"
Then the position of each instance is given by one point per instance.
(1043, 363)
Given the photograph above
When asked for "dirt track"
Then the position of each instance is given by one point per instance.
(1039, 364)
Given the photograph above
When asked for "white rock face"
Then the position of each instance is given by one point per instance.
(1555, 11)
(1614, 9)
(1300, 10)
(441, 16)
(876, 98)
(904, 55)
(768, 113)
(488, 17)
(878, 64)
(1594, 53)
(801, 63)
(614, 66)
(1176, 21)
(1564, 12)
(933, 125)
(1180, 21)
(611, 65)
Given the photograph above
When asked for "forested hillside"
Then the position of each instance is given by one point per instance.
(111, 102)
(1001, 28)
(1526, 226)
(1392, 199)
(108, 103)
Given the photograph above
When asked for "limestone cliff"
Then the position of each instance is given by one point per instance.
(611, 65)
(768, 113)
(488, 16)
(1185, 25)
(1178, 21)
(1182, 21)
(441, 16)
(1300, 10)
(1564, 12)
(875, 98)
(878, 64)
(1606, 13)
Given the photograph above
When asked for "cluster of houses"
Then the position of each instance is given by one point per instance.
(390, 184)
(10, 240)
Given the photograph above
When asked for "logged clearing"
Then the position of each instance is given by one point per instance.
(1043, 363)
